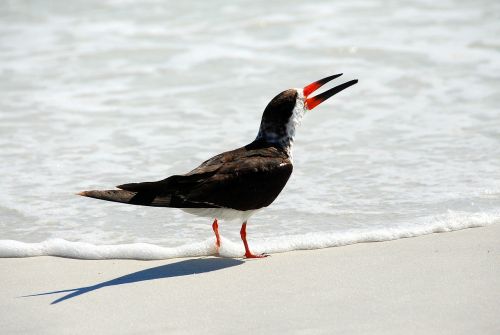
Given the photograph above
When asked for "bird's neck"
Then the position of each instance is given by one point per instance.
(278, 138)
(281, 135)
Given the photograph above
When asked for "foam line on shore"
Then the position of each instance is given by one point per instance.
(144, 251)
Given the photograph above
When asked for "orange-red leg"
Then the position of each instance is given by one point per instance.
(243, 234)
(215, 227)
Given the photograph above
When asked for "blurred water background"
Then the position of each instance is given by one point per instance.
(99, 93)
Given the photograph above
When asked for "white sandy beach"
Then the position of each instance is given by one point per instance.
(435, 284)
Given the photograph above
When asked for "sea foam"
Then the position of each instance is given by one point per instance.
(144, 251)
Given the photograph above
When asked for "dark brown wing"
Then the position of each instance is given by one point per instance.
(242, 179)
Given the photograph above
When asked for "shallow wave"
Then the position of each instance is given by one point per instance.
(142, 251)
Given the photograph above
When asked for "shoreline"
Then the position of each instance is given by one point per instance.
(445, 283)
(58, 247)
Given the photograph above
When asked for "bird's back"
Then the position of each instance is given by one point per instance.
(247, 178)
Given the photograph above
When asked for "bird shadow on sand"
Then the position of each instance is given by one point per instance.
(182, 268)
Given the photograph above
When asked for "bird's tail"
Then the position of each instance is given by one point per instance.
(163, 193)
(128, 197)
(110, 195)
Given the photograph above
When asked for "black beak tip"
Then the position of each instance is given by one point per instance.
(316, 100)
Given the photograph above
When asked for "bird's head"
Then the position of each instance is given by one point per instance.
(285, 111)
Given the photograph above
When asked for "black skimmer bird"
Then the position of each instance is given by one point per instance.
(234, 184)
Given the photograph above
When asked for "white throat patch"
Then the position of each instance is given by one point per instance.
(298, 113)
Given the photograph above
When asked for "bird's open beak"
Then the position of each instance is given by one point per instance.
(316, 100)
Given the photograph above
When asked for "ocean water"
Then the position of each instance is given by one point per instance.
(99, 93)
